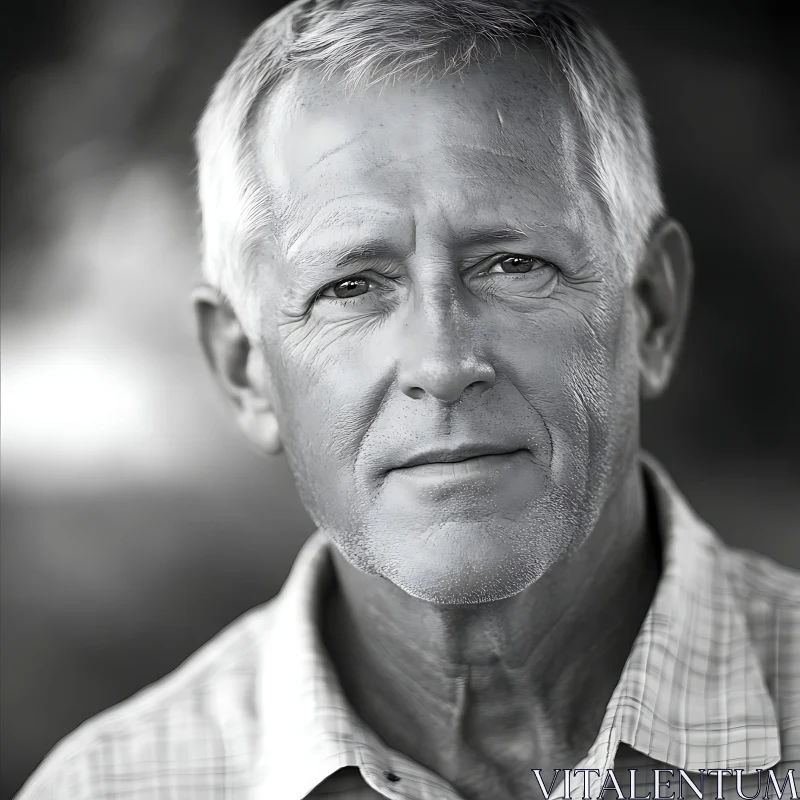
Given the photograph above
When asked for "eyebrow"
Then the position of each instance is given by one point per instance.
(373, 248)
(329, 262)
(472, 237)
(343, 261)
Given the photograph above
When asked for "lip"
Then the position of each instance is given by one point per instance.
(454, 455)
(470, 463)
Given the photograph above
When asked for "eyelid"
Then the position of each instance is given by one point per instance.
(366, 275)
(370, 276)
(483, 266)
(330, 285)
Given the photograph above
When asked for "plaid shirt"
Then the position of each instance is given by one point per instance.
(712, 681)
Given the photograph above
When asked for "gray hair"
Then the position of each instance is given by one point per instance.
(369, 42)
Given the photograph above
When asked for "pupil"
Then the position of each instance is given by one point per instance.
(350, 288)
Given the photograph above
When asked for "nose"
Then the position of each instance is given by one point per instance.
(440, 358)
(447, 383)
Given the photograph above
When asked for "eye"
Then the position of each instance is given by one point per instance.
(514, 275)
(515, 265)
(349, 287)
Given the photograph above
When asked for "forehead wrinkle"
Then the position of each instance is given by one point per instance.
(536, 160)
(334, 150)
(295, 236)
(463, 212)
(538, 176)
(498, 161)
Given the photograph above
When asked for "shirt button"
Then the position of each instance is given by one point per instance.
(390, 776)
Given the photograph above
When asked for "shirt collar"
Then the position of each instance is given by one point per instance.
(692, 693)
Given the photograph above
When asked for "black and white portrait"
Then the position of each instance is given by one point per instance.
(399, 401)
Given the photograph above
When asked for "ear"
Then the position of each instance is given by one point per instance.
(239, 367)
(662, 292)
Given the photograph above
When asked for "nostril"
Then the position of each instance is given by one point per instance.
(446, 381)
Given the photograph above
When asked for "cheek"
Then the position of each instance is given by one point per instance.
(601, 381)
(578, 369)
(333, 382)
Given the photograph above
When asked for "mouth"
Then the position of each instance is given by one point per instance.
(439, 469)
(457, 461)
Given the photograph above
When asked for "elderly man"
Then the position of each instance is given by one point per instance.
(440, 279)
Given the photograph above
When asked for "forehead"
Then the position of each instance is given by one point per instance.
(499, 144)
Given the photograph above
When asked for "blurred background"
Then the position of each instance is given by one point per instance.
(135, 522)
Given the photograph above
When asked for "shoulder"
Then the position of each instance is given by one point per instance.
(768, 594)
(763, 579)
(196, 728)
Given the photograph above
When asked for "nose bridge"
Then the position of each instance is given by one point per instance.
(439, 317)
(441, 356)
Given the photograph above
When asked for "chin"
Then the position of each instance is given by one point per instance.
(464, 564)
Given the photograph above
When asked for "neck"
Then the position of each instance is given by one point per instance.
(499, 687)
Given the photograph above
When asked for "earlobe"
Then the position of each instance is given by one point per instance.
(239, 368)
(261, 429)
(257, 418)
(662, 293)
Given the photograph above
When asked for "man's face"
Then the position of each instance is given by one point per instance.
(443, 288)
